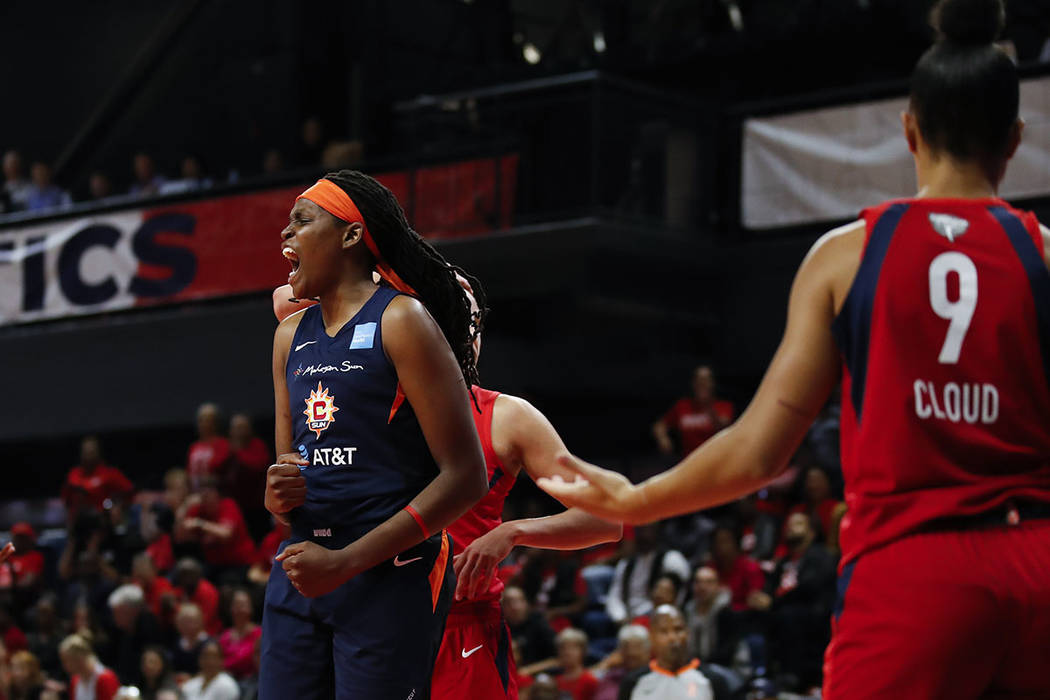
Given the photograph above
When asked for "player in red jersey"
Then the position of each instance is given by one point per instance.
(936, 313)
(475, 659)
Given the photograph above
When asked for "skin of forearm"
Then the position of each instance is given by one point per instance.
(572, 529)
(726, 467)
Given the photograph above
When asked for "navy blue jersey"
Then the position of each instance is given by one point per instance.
(368, 457)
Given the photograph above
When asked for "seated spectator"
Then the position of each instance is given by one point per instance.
(238, 642)
(671, 675)
(249, 460)
(528, 628)
(259, 573)
(574, 678)
(135, 627)
(86, 576)
(665, 591)
(89, 679)
(10, 634)
(273, 162)
(737, 571)
(85, 624)
(312, 143)
(759, 529)
(543, 687)
(93, 480)
(46, 634)
(799, 596)
(635, 575)
(147, 182)
(192, 636)
(44, 194)
(27, 680)
(711, 625)
(16, 185)
(123, 536)
(156, 590)
(218, 525)
(99, 186)
(690, 534)
(212, 683)
(154, 673)
(210, 453)
(190, 585)
(22, 573)
(694, 418)
(193, 178)
(551, 580)
(819, 505)
(632, 653)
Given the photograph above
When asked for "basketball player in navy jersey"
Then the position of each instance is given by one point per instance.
(475, 659)
(935, 312)
(373, 424)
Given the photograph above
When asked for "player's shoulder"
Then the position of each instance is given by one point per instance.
(844, 240)
(511, 409)
(287, 327)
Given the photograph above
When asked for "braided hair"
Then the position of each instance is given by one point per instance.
(420, 265)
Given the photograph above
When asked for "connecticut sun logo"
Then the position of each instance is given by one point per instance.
(320, 410)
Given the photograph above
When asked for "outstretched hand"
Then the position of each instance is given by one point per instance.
(7, 551)
(607, 494)
(313, 569)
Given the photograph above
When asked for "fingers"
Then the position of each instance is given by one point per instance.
(481, 579)
(284, 469)
(465, 578)
(289, 551)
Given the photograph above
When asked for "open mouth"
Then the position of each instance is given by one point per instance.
(293, 259)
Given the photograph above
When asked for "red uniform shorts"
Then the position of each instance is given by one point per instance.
(957, 615)
(475, 659)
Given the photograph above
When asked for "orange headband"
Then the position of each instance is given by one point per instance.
(331, 197)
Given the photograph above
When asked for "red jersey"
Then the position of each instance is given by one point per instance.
(103, 482)
(207, 458)
(239, 550)
(945, 336)
(694, 423)
(487, 514)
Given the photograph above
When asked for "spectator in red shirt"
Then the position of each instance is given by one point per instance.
(12, 637)
(820, 506)
(211, 452)
(260, 571)
(574, 678)
(157, 590)
(238, 642)
(694, 418)
(218, 525)
(738, 572)
(250, 457)
(92, 481)
(190, 585)
(88, 677)
(24, 568)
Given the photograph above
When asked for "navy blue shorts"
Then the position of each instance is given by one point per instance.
(374, 637)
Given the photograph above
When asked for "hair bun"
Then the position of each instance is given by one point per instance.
(968, 22)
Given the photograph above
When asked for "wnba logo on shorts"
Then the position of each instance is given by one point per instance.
(320, 410)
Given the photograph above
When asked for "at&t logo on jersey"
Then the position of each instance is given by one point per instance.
(320, 410)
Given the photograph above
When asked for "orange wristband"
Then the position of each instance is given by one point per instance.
(419, 520)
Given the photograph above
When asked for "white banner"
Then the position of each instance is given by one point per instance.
(828, 164)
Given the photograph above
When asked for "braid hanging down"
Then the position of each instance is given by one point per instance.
(420, 265)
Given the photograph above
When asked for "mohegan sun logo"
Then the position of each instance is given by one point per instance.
(320, 410)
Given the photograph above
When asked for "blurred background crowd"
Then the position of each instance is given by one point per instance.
(161, 590)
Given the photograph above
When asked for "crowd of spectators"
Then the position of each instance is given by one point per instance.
(38, 193)
(729, 603)
(162, 590)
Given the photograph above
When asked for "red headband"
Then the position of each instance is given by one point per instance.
(331, 197)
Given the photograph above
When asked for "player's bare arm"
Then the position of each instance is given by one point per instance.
(524, 440)
(433, 384)
(6, 552)
(285, 486)
(756, 448)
